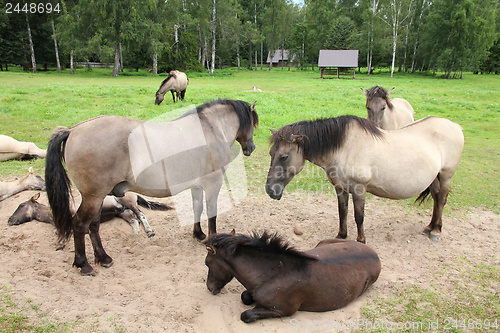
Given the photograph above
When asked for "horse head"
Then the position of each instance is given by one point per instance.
(245, 134)
(287, 160)
(377, 100)
(30, 210)
(219, 272)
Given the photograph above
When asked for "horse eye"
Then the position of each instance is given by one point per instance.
(283, 158)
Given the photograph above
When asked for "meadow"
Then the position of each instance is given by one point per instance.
(33, 105)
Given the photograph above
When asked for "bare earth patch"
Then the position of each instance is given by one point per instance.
(158, 284)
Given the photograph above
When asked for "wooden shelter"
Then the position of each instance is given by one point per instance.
(342, 60)
(281, 58)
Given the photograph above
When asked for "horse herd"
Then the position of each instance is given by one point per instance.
(389, 155)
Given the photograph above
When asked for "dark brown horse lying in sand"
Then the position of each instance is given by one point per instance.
(281, 280)
(125, 208)
(113, 155)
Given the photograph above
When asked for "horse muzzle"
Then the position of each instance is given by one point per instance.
(275, 191)
(248, 150)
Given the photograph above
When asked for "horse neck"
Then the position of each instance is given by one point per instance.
(167, 86)
(227, 122)
(43, 214)
(263, 266)
(11, 188)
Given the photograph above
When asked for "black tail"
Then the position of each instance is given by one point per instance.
(421, 198)
(58, 184)
(151, 204)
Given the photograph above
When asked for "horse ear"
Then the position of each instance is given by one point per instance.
(273, 131)
(296, 138)
(233, 232)
(390, 90)
(35, 197)
(211, 249)
(252, 107)
(30, 170)
(365, 91)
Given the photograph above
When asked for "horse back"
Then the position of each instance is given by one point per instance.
(344, 269)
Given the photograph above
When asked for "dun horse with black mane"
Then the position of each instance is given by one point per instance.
(281, 280)
(176, 83)
(387, 113)
(358, 157)
(113, 155)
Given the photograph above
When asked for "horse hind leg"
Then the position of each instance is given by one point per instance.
(142, 217)
(439, 191)
(129, 217)
(88, 222)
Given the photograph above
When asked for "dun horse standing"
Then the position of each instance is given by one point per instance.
(113, 155)
(358, 157)
(281, 280)
(388, 114)
(176, 83)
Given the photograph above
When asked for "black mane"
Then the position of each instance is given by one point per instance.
(265, 243)
(379, 92)
(168, 78)
(323, 135)
(247, 117)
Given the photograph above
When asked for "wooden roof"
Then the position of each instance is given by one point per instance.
(279, 55)
(338, 58)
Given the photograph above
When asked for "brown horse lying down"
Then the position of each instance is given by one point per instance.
(30, 182)
(282, 280)
(125, 208)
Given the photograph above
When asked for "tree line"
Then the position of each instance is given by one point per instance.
(405, 35)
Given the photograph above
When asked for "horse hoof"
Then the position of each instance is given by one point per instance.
(200, 237)
(247, 298)
(59, 247)
(151, 234)
(427, 231)
(108, 265)
(87, 274)
(434, 237)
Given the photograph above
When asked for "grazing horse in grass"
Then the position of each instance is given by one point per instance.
(388, 114)
(176, 83)
(125, 208)
(358, 157)
(113, 155)
(30, 182)
(11, 149)
(281, 280)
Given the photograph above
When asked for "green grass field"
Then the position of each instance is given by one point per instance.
(32, 106)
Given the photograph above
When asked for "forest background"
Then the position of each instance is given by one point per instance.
(452, 36)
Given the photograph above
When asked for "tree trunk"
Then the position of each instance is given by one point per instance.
(121, 58)
(55, 47)
(238, 56)
(116, 64)
(71, 63)
(250, 61)
(155, 62)
(214, 17)
(33, 61)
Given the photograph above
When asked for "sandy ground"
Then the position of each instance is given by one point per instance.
(158, 284)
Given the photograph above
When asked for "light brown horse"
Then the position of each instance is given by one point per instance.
(358, 157)
(113, 155)
(281, 280)
(11, 149)
(176, 83)
(388, 114)
(30, 182)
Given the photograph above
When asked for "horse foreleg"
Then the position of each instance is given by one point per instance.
(173, 95)
(212, 194)
(129, 217)
(358, 199)
(343, 201)
(197, 195)
(142, 217)
(258, 312)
